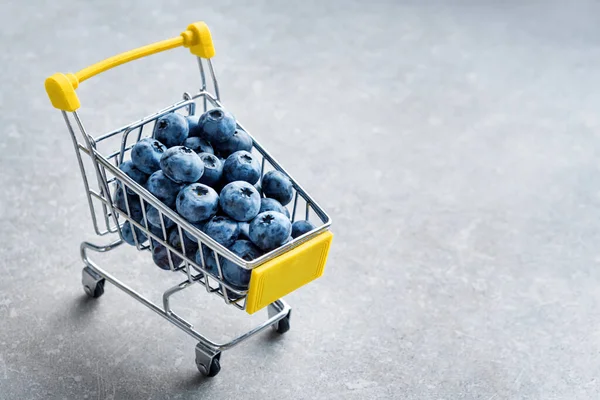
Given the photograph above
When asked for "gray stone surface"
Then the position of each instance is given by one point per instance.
(458, 153)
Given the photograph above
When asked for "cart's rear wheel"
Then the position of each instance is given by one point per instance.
(283, 325)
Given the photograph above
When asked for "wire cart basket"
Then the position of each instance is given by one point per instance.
(273, 275)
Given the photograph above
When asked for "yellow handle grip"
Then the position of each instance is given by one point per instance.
(61, 87)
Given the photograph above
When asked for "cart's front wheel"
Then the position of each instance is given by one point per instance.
(283, 325)
(214, 368)
(207, 360)
(93, 283)
(210, 370)
(95, 292)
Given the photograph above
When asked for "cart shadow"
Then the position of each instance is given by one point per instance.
(83, 307)
(271, 337)
(83, 310)
(194, 381)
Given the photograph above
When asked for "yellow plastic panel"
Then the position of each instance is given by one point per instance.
(286, 273)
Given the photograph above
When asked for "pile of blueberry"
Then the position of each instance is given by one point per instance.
(202, 167)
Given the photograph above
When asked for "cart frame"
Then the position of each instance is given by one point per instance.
(109, 219)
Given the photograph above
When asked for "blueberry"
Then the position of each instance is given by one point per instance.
(209, 260)
(233, 274)
(217, 125)
(160, 255)
(277, 186)
(244, 229)
(299, 228)
(270, 230)
(163, 188)
(199, 226)
(240, 200)
(220, 211)
(135, 207)
(134, 173)
(213, 169)
(193, 125)
(197, 202)
(223, 230)
(153, 218)
(241, 166)
(175, 240)
(272, 205)
(146, 155)
(182, 165)
(239, 141)
(218, 186)
(157, 230)
(127, 233)
(199, 145)
(171, 129)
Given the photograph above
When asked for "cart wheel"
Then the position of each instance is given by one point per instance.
(93, 284)
(283, 325)
(95, 292)
(210, 371)
(207, 360)
(214, 369)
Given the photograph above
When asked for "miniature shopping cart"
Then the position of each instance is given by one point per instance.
(273, 275)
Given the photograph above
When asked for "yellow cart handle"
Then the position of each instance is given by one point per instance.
(61, 87)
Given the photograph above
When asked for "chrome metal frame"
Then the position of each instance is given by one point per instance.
(106, 160)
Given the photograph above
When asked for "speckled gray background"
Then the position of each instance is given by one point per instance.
(459, 153)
